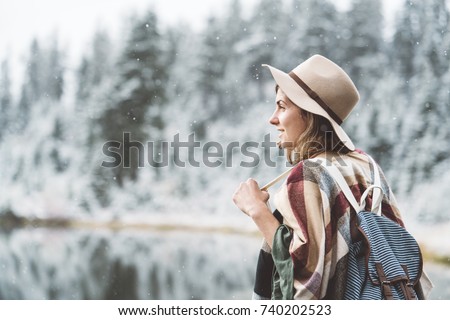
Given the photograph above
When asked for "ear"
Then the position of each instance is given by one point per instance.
(303, 113)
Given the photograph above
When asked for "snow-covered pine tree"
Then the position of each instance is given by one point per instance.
(32, 87)
(365, 43)
(212, 62)
(95, 66)
(5, 98)
(314, 28)
(423, 133)
(138, 96)
(53, 82)
(263, 43)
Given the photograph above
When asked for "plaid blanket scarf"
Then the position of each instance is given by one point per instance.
(317, 214)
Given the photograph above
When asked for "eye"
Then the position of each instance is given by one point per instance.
(281, 105)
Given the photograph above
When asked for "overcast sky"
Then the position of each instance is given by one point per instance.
(74, 21)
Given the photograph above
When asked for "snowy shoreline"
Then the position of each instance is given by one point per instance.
(434, 239)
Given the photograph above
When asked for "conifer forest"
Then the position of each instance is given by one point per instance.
(186, 113)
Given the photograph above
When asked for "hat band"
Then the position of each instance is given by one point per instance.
(313, 95)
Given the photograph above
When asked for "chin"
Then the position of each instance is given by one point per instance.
(285, 145)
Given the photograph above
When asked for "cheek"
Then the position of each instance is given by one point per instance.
(301, 124)
(296, 125)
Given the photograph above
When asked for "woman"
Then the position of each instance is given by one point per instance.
(308, 234)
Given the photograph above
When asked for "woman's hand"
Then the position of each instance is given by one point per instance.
(249, 198)
(252, 201)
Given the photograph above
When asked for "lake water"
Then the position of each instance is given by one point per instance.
(76, 264)
(136, 264)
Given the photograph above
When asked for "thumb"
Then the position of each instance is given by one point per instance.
(266, 195)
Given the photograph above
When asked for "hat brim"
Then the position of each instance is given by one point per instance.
(299, 97)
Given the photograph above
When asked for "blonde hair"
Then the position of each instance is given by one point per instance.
(318, 137)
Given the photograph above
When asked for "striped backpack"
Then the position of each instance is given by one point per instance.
(384, 261)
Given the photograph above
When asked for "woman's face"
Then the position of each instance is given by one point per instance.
(288, 120)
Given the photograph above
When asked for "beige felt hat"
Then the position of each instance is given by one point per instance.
(320, 86)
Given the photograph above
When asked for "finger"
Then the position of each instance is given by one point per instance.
(252, 182)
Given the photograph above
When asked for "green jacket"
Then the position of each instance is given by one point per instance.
(283, 271)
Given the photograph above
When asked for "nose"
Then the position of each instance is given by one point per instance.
(274, 119)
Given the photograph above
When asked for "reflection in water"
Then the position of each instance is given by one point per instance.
(79, 264)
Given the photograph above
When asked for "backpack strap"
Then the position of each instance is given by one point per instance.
(340, 180)
(377, 192)
(376, 199)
